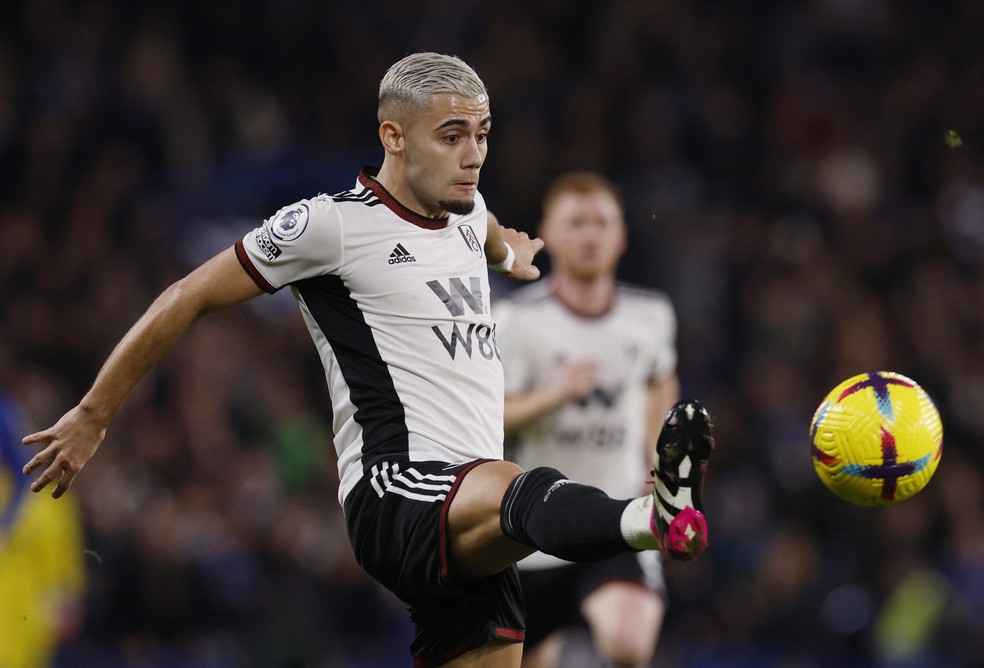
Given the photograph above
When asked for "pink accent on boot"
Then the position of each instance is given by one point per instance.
(686, 535)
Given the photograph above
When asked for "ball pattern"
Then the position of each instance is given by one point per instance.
(877, 439)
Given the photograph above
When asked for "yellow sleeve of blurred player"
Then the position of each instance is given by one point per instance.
(42, 572)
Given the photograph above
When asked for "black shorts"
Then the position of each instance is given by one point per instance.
(397, 523)
(554, 595)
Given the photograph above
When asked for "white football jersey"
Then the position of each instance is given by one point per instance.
(599, 439)
(399, 308)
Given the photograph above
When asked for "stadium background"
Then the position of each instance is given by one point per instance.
(789, 183)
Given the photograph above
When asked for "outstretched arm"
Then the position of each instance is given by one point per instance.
(500, 239)
(68, 445)
(575, 379)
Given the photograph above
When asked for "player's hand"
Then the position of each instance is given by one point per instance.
(525, 249)
(578, 378)
(66, 447)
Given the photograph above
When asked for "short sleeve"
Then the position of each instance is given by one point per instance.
(301, 240)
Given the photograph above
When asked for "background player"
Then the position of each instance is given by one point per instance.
(590, 371)
(12, 458)
(433, 512)
(42, 574)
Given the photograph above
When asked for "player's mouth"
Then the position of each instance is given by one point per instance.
(590, 253)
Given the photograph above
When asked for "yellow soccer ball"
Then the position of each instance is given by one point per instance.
(877, 439)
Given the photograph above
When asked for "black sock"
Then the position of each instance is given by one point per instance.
(558, 516)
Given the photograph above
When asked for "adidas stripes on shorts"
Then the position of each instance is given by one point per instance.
(397, 522)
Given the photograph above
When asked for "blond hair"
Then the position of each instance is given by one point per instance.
(581, 183)
(409, 83)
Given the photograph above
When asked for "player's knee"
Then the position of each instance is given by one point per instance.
(626, 649)
(480, 491)
(625, 621)
(521, 496)
(626, 645)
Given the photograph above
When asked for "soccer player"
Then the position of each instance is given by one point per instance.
(392, 281)
(590, 371)
(42, 573)
(12, 458)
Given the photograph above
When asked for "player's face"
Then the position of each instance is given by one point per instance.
(584, 234)
(444, 152)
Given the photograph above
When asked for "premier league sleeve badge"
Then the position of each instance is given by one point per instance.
(290, 222)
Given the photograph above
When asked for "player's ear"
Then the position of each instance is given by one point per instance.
(391, 136)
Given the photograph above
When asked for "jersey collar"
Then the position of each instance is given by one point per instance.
(367, 177)
(580, 312)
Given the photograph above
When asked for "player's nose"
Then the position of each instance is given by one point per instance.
(474, 156)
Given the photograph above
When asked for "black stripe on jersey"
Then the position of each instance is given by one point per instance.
(365, 195)
(377, 406)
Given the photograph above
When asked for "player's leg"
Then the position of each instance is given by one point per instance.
(553, 606)
(625, 619)
(492, 655)
(501, 513)
(478, 547)
(397, 521)
(546, 653)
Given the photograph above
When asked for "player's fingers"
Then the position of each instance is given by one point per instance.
(37, 437)
(45, 478)
(66, 481)
(38, 460)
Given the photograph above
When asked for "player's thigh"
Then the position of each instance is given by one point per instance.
(478, 546)
(546, 653)
(625, 619)
(493, 655)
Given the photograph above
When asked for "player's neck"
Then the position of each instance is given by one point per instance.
(397, 187)
(587, 297)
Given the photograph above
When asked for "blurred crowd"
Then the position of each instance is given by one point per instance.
(805, 179)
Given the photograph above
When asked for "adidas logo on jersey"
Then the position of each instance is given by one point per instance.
(401, 255)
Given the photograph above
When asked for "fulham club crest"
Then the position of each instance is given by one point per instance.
(468, 234)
